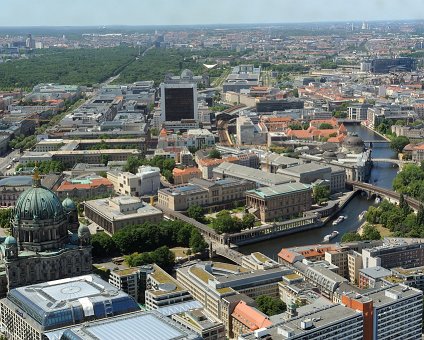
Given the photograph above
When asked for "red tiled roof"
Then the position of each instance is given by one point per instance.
(250, 316)
(68, 186)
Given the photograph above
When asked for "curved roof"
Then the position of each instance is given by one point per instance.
(68, 204)
(10, 240)
(353, 141)
(16, 181)
(38, 203)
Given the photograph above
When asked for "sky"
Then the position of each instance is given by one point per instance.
(189, 12)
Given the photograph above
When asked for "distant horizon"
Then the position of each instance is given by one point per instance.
(92, 13)
(357, 21)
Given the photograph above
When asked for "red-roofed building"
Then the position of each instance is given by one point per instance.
(312, 252)
(84, 188)
(246, 319)
(184, 175)
(416, 151)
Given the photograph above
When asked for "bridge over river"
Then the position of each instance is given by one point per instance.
(390, 195)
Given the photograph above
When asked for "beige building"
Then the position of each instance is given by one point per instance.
(204, 193)
(113, 214)
(162, 290)
(280, 201)
(216, 285)
(199, 322)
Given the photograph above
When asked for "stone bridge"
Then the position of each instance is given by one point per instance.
(390, 195)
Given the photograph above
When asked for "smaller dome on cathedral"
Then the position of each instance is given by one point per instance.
(10, 240)
(83, 231)
(69, 205)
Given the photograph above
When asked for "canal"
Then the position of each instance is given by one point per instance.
(382, 175)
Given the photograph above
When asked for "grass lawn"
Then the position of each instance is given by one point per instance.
(383, 231)
(179, 251)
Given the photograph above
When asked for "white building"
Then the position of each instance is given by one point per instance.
(145, 182)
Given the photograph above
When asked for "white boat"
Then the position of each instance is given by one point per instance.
(362, 215)
(339, 219)
(331, 236)
(377, 200)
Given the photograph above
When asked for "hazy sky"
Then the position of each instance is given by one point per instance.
(180, 12)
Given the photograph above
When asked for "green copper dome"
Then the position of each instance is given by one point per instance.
(68, 204)
(38, 203)
(10, 240)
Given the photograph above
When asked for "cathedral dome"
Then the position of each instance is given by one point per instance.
(354, 143)
(38, 203)
(69, 205)
(9, 241)
(83, 231)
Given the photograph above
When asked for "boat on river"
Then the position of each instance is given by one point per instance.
(331, 236)
(362, 215)
(339, 219)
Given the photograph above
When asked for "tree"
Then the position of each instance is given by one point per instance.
(196, 211)
(295, 126)
(420, 216)
(197, 243)
(321, 193)
(370, 232)
(398, 143)
(214, 153)
(270, 306)
(403, 205)
(225, 223)
(325, 126)
(103, 245)
(5, 215)
(248, 221)
(351, 237)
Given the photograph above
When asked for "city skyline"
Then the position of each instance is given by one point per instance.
(164, 12)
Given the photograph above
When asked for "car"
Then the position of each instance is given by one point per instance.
(14, 159)
(9, 166)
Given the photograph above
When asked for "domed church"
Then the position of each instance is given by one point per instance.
(47, 242)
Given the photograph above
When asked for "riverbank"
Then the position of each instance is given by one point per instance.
(376, 132)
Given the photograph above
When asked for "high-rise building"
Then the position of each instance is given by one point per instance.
(179, 98)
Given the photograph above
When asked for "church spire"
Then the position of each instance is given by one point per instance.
(36, 179)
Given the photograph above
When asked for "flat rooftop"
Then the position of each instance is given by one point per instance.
(322, 318)
(278, 190)
(136, 326)
(250, 174)
(103, 207)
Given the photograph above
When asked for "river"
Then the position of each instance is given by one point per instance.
(382, 175)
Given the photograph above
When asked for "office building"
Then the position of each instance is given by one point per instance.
(393, 65)
(280, 201)
(369, 277)
(220, 286)
(328, 323)
(395, 252)
(391, 312)
(198, 321)
(30, 312)
(167, 295)
(113, 214)
(178, 99)
(358, 112)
